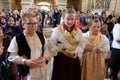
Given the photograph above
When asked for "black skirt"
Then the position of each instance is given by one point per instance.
(115, 58)
(66, 68)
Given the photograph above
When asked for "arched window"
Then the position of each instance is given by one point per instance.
(44, 5)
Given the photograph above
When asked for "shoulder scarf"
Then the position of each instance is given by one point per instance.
(94, 40)
(69, 35)
(70, 38)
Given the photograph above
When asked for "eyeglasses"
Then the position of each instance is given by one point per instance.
(31, 24)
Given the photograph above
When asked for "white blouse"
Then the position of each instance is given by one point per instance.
(104, 45)
(116, 36)
(58, 41)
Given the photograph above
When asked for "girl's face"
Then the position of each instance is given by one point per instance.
(69, 19)
(95, 28)
(1, 48)
(11, 21)
(77, 21)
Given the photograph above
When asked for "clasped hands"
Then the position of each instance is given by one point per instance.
(32, 63)
(118, 41)
(92, 48)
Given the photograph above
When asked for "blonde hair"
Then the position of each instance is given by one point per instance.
(94, 21)
(26, 16)
(68, 11)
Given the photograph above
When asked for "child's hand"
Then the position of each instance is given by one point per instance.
(88, 48)
(118, 41)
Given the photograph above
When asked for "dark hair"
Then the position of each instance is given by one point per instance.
(7, 25)
(10, 17)
(118, 20)
(94, 21)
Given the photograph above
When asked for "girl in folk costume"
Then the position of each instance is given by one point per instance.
(67, 44)
(97, 46)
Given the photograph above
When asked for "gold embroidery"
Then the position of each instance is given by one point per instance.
(24, 56)
(70, 51)
(69, 36)
(95, 40)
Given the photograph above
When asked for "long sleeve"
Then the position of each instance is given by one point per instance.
(81, 45)
(116, 36)
(53, 42)
(58, 42)
(47, 52)
(105, 46)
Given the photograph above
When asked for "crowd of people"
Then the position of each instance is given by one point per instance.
(77, 47)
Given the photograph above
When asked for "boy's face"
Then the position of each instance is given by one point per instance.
(31, 26)
(1, 48)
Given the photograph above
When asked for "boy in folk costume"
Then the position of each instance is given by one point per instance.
(29, 50)
(67, 45)
(97, 46)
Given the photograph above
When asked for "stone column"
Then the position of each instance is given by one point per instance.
(61, 4)
(84, 5)
(1, 5)
(117, 8)
(6, 4)
(26, 4)
(114, 6)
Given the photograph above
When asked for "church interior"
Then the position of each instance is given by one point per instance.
(90, 9)
(78, 5)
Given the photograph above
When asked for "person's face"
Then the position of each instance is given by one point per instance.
(69, 19)
(1, 48)
(11, 21)
(30, 25)
(3, 20)
(39, 19)
(108, 21)
(95, 28)
(77, 21)
(56, 8)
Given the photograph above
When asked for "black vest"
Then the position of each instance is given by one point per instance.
(24, 51)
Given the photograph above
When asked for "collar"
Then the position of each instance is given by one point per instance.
(72, 27)
(27, 34)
